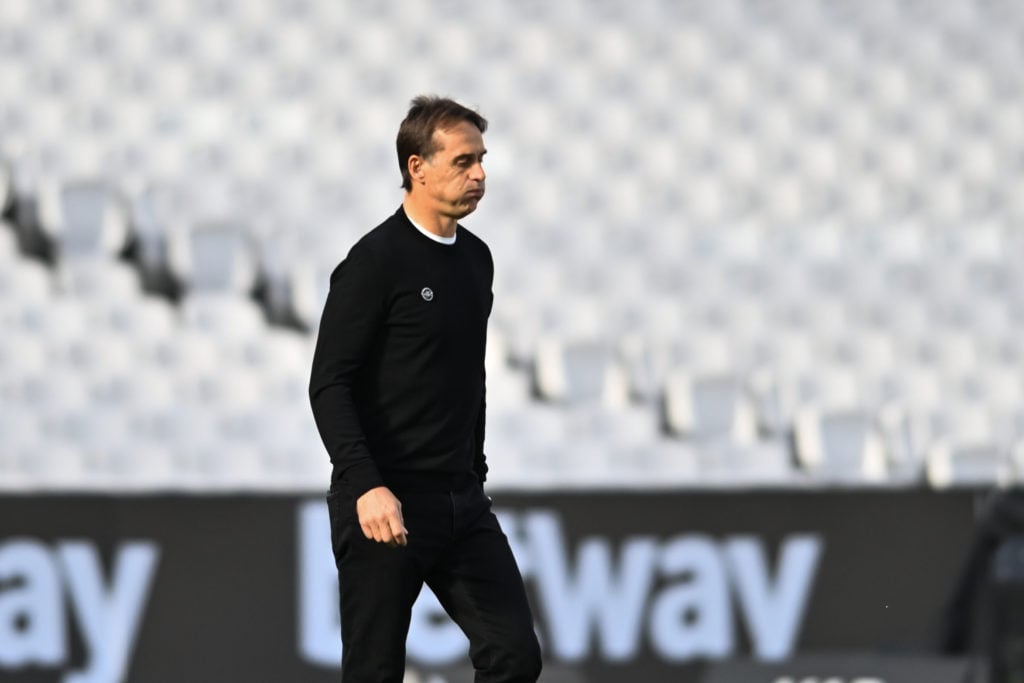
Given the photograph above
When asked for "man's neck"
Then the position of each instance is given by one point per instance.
(442, 226)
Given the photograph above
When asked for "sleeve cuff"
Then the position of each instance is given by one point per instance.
(363, 477)
(480, 467)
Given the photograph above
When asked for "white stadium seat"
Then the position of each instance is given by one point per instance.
(223, 316)
(23, 280)
(85, 219)
(214, 258)
(8, 241)
(144, 319)
(709, 408)
(983, 465)
(99, 279)
(579, 373)
(843, 446)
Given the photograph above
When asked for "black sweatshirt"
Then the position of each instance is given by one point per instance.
(397, 385)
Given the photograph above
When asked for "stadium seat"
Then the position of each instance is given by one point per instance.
(252, 425)
(965, 448)
(97, 278)
(274, 352)
(188, 351)
(84, 219)
(143, 467)
(225, 316)
(214, 258)
(979, 466)
(144, 319)
(218, 465)
(219, 390)
(23, 280)
(513, 431)
(6, 187)
(152, 211)
(706, 408)
(308, 286)
(285, 392)
(43, 389)
(998, 388)
(53, 467)
(189, 428)
(904, 443)
(765, 463)
(841, 446)
(870, 352)
(613, 426)
(950, 352)
(572, 373)
(20, 427)
(20, 352)
(649, 360)
(303, 464)
(782, 395)
(137, 387)
(8, 243)
(649, 466)
(87, 355)
(507, 389)
(89, 429)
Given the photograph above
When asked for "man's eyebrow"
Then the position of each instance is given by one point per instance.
(470, 155)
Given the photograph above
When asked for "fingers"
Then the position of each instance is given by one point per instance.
(380, 517)
(390, 530)
(379, 530)
(397, 530)
(372, 531)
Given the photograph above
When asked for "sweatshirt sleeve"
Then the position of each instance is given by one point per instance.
(352, 316)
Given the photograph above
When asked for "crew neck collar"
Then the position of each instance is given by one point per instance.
(436, 238)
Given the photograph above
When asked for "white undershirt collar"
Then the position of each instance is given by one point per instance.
(437, 238)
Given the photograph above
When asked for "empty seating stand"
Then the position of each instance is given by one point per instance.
(798, 270)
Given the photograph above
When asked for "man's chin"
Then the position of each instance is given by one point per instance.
(466, 208)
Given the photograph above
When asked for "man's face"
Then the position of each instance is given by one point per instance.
(454, 174)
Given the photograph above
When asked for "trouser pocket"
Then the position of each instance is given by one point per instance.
(341, 509)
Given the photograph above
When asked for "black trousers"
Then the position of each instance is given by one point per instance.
(456, 548)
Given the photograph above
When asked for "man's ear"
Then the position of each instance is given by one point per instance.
(415, 166)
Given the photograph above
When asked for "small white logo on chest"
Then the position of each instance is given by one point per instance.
(427, 293)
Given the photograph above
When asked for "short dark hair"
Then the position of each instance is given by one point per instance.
(427, 114)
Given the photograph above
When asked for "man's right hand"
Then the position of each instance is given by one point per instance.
(380, 516)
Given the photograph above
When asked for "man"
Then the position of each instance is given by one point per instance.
(397, 391)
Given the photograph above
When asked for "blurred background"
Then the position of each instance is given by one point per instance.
(740, 245)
